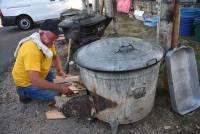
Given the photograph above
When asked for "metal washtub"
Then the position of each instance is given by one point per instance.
(121, 75)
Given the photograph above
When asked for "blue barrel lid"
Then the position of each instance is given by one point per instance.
(190, 12)
(118, 54)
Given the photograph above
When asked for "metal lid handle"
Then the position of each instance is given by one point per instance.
(151, 62)
(127, 48)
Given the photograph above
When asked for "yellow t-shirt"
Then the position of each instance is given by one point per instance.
(29, 57)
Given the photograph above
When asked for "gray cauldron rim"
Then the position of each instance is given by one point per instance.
(84, 60)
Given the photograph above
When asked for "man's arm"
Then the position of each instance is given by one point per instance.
(58, 65)
(35, 79)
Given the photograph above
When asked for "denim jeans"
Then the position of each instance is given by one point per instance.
(34, 92)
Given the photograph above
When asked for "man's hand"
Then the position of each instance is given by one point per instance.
(44, 84)
(63, 88)
(61, 73)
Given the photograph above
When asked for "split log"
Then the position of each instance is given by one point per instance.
(54, 115)
(60, 80)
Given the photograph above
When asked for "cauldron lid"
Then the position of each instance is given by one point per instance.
(118, 54)
(81, 20)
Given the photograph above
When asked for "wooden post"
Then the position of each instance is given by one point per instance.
(101, 6)
(87, 5)
(96, 6)
(115, 19)
(68, 54)
(168, 28)
(111, 11)
(175, 34)
(165, 26)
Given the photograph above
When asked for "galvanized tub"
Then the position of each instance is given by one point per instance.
(183, 80)
(121, 75)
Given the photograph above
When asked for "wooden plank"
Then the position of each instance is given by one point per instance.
(60, 77)
(75, 89)
(51, 115)
(61, 38)
(66, 80)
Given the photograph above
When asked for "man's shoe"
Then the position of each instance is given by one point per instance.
(24, 99)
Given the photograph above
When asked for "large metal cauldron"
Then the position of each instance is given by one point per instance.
(84, 28)
(121, 75)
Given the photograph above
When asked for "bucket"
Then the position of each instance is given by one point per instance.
(187, 18)
(151, 21)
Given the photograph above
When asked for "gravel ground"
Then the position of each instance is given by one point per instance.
(18, 118)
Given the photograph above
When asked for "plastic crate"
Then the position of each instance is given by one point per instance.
(151, 22)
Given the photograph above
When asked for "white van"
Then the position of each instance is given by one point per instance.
(24, 13)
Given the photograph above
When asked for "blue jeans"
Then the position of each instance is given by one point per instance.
(34, 92)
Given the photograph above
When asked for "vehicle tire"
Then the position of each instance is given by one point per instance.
(24, 22)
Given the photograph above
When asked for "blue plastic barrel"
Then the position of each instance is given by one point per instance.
(187, 18)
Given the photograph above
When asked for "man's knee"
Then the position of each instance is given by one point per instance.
(37, 93)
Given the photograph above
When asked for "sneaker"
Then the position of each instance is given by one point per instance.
(24, 99)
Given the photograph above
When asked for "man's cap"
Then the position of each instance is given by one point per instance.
(50, 25)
